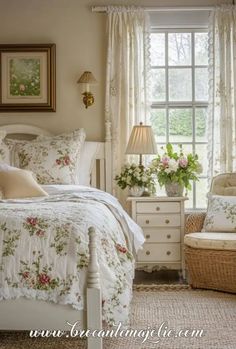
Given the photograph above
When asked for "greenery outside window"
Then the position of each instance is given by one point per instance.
(179, 92)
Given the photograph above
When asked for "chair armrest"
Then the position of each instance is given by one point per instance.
(194, 222)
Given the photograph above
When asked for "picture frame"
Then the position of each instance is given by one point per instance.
(28, 78)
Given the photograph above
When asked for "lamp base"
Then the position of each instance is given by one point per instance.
(88, 99)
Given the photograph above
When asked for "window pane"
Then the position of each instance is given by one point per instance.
(180, 84)
(201, 192)
(200, 124)
(158, 122)
(201, 151)
(158, 85)
(201, 48)
(189, 202)
(186, 148)
(179, 48)
(157, 49)
(201, 84)
(180, 125)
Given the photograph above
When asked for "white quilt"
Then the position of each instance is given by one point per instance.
(44, 248)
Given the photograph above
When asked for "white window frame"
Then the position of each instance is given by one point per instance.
(183, 104)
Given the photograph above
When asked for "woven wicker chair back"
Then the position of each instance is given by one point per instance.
(224, 184)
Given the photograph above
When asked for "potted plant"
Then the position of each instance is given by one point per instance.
(176, 170)
(137, 179)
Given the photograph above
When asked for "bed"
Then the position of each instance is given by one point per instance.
(97, 246)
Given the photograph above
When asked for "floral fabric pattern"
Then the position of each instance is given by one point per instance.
(40, 238)
(53, 160)
(221, 214)
(4, 151)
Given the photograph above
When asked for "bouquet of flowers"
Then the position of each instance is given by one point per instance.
(133, 175)
(173, 167)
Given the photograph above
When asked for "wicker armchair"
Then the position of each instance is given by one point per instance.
(209, 268)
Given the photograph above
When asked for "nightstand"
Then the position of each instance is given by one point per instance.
(162, 220)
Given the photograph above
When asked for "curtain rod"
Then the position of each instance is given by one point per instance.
(103, 9)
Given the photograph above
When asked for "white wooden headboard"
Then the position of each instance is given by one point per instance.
(101, 177)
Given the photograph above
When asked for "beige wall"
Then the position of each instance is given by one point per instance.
(81, 45)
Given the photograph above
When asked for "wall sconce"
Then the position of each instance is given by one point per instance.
(87, 79)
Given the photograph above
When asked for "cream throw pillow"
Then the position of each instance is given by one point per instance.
(18, 184)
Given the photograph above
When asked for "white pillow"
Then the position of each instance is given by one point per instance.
(87, 161)
(54, 160)
(221, 214)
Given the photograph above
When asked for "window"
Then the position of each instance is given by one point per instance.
(179, 95)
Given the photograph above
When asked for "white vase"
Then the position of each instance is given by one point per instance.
(174, 189)
(136, 191)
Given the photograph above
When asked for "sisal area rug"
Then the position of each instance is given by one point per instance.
(177, 306)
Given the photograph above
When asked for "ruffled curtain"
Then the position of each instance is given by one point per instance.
(222, 88)
(127, 76)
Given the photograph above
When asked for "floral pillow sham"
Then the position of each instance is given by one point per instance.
(53, 160)
(4, 150)
(221, 214)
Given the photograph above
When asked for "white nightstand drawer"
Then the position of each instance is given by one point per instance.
(159, 252)
(158, 207)
(163, 220)
(161, 235)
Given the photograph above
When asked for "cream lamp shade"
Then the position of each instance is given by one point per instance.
(87, 78)
(141, 141)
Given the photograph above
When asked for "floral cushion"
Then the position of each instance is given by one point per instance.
(53, 160)
(221, 214)
(8, 148)
(4, 151)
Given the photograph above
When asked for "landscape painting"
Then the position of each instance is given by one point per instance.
(24, 77)
(27, 78)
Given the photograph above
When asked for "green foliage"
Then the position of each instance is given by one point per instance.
(176, 167)
(25, 76)
(180, 122)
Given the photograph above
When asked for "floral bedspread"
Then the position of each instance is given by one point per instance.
(44, 250)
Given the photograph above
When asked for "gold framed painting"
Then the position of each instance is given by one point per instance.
(28, 78)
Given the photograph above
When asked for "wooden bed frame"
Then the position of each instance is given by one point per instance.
(26, 314)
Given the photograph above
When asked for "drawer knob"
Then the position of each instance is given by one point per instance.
(157, 208)
(147, 221)
(168, 253)
(167, 221)
(148, 253)
(168, 236)
(147, 236)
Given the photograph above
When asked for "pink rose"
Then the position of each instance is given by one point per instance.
(165, 161)
(25, 275)
(121, 248)
(183, 162)
(44, 279)
(40, 233)
(32, 221)
(66, 160)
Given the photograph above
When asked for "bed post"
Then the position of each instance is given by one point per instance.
(108, 155)
(94, 301)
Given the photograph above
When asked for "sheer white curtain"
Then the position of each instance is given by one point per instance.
(222, 80)
(126, 76)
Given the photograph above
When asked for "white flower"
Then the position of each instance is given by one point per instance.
(173, 165)
(167, 170)
(144, 178)
(128, 180)
(130, 171)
